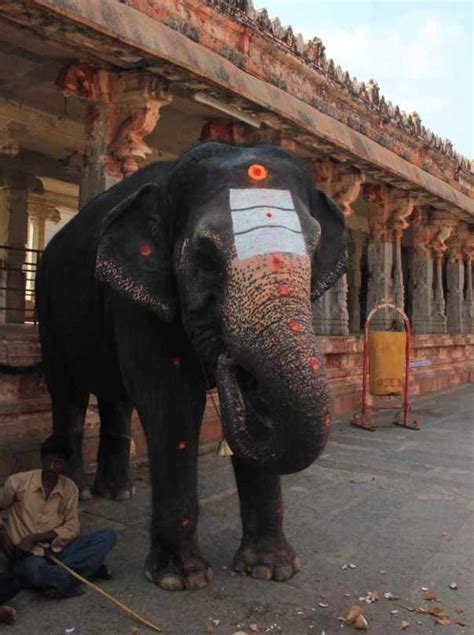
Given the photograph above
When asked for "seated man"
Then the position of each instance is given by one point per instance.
(43, 518)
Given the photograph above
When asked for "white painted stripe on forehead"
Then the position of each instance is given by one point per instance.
(268, 240)
(265, 221)
(260, 197)
(268, 216)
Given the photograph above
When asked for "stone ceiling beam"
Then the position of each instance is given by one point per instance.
(123, 31)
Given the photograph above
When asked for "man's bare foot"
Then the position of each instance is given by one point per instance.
(7, 615)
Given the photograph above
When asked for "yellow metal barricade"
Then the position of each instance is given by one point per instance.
(386, 362)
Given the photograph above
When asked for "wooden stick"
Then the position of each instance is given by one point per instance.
(128, 611)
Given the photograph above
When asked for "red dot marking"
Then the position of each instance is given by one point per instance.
(181, 445)
(185, 522)
(313, 362)
(295, 326)
(327, 419)
(176, 360)
(283, 289)
(145, 249)
(269, 215)
(276, 262)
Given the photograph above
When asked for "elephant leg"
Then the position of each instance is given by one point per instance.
(171, 412)
(113, 479)
(264, 551)
(68, 421)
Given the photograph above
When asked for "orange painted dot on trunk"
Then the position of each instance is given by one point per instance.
(313, 362)
(283, 289)
(185, 522)
(145, 249)
(181, 445)
(276, 262)
(295, 326)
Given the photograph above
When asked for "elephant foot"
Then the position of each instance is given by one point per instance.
(267, 559)
(85, 493)
(113, 490)
(179, 575)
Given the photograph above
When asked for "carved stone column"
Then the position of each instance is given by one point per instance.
(401, 205)
(354, 279)
(16, 200)
(387, 222)
(421, 279)
(123, 108)
(455, 280)
(343, 185)
(443, 227)
(469, 295)
(379, 251)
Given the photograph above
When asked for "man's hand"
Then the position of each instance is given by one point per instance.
(26, 544)
(6, 545)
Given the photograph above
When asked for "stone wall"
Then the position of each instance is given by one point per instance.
(25, 408)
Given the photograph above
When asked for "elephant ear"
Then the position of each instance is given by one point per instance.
(134, 253)
(330, 258)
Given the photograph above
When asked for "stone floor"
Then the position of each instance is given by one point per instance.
(397, 504)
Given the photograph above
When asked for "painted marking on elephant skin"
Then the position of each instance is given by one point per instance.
(313, 362)
(265, 221)
(145, 249)
(176, 361)
(181, 445)
(185, 521)
(257, 172)
(295, 326)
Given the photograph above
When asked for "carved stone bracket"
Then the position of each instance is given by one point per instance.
(123, 109)
(341, 183)
(422, 231)
(9, 145)
(137, 99)
(237, 133)
(442, 228)
(390, 210)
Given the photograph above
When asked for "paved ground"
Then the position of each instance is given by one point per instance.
(394, 501)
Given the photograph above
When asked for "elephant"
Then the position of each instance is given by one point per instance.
(187, 275)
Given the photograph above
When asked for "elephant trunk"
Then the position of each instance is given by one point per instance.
(271, 381)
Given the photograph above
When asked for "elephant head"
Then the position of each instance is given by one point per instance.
(235, 243)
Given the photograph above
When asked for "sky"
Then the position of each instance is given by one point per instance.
(421, 53)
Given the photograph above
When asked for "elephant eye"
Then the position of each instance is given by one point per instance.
(207, 255)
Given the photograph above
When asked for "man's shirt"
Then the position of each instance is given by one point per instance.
(30, 512)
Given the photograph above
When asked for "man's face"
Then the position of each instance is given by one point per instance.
(52, 464)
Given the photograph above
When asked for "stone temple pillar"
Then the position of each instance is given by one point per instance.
(442, 227)
(455, 295)
(455, 300)
(421, 269)
(469, 295)
(354, 279)
(16, 203)
(123, 108)
(387, 222)
(342, 184)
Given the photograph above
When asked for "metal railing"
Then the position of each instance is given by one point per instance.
(17, 284)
